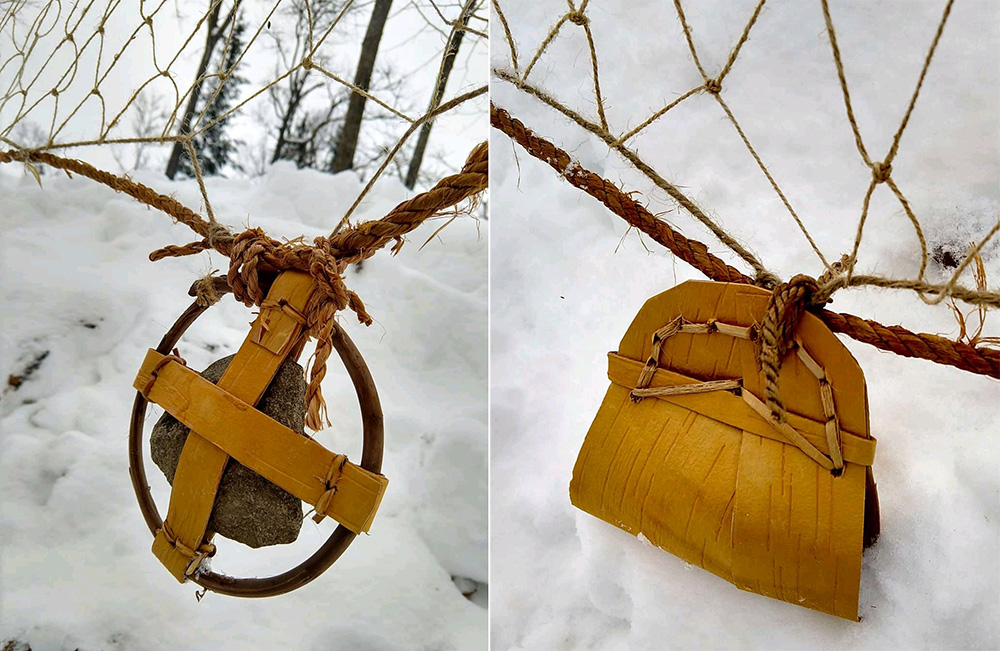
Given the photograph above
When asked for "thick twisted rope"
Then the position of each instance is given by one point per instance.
(895, 339)
(693, 252)
(253, 253)
(123, 184)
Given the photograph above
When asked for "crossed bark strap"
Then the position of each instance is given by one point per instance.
(223, 421)
(338, 488)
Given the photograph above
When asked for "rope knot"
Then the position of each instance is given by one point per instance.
(713, 86)
(307, 62)
(249, 249)
(785, 310)
(577, 18)
(253, 251)
(881, 171)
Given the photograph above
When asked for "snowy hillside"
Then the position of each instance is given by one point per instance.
(81, 303)
(568, 277)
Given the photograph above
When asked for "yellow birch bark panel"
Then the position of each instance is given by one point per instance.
(707, 478)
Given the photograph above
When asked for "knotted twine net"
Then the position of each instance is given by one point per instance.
(789, 301)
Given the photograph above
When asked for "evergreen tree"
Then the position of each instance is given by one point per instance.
(215, 147)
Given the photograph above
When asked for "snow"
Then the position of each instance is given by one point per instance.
(75, 566)
(568, 277)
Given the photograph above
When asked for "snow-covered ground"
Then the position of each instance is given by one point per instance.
(80, 301)
(567, 279)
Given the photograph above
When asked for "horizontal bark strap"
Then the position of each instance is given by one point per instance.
(297, 464)
(733, 410)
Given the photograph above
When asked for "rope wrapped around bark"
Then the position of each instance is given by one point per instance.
(895, 339)
(777, 333)
(252, 253)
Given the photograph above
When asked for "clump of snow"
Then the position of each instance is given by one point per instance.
(564, 292)
(82, 303)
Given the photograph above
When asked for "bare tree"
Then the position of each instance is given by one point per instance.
(307, 108)
(149, 116)
(214, 147)
(304, 127)
(447, 63)
(215, 31)
(347, 142)
(306, 140)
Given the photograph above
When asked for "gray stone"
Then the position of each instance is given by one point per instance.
(248, 508)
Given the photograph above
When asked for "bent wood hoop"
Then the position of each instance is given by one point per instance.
(339, 540)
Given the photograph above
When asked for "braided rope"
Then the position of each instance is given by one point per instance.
(895, 339)
(693, 252)
(785, 310)
(123, 184)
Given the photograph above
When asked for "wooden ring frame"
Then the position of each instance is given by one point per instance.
(339, 540)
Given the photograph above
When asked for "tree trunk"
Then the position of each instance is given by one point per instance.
(212, 37)
(347, 143)
(287, 118)
(451, 53)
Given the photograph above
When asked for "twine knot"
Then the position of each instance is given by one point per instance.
(206, 295)
(330, 487)
(785, 310)
(766, 279)
(834, 278)
(205, 550)
(218, 234)
(713, 86)
(307, 63)
(577, 18)
(881, 171)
